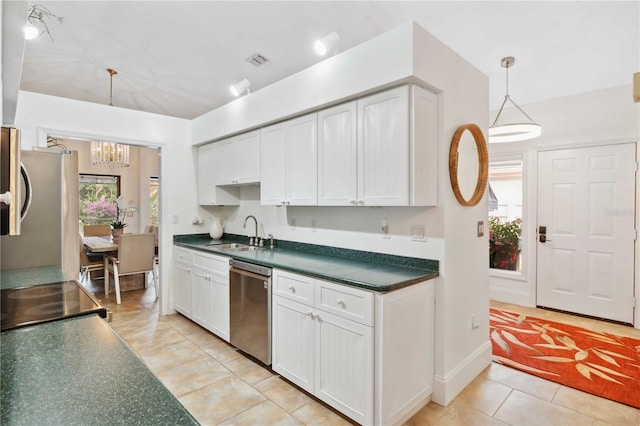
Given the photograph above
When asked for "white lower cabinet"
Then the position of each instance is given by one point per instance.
(368, 355)
(201, 289)
(201, 308)
(182, 282)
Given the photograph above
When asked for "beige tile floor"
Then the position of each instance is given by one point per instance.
(219, 386)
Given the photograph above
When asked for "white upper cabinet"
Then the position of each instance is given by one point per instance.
(337, 155)
(208, 193)
(380, 150)
(239, 159)
(383, 148)
(289, 162)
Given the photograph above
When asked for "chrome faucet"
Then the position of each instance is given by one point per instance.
(254, 240)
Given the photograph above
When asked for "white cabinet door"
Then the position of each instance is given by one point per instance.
(182, 288)
(383, 148)
(344, 366)
(208, 193)
(273, 171)
(337, 156)
(207, 174)
(293, 342)
(302, 161)
(201, 306)
(289, 162)
(219, 303)
(238, 159)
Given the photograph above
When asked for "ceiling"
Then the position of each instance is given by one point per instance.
(178, 58)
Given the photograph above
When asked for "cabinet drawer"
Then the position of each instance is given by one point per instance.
(294, 287)
(344, 301)
(182, 255)
(213, 263)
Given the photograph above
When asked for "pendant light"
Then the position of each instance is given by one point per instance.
(108, 154)
(512, 132)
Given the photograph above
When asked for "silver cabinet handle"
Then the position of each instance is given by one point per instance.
(292, 288)
(341, 302)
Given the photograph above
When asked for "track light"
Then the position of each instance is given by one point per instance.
(238, 88)
(326, 43)
(36, 23)
(30, 31)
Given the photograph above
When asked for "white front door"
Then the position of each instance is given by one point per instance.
(586, 201)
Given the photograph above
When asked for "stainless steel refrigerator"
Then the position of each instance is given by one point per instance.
(49, 232)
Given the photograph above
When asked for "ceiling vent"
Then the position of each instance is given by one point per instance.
(257, 59)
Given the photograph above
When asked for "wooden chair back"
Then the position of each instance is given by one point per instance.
(97, 230)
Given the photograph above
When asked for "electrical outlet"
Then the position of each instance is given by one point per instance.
(417, 233)
(176, 218)
(293, 223)
(313, 226)
(385, 229)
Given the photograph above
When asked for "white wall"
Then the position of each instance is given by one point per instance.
(602, 117)
(41, 115)
(462, 289)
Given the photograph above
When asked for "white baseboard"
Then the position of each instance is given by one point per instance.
(501, 294)
(445, 389)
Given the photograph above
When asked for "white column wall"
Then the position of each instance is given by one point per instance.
(41, 115)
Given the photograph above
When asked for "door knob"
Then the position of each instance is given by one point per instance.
(542, 234)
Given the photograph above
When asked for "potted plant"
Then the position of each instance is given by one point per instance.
(504, 243)
(117, 225)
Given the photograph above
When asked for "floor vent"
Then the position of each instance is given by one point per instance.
(257, 59)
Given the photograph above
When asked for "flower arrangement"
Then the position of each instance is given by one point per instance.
(118, 222)
(504, 243)
(121, 214)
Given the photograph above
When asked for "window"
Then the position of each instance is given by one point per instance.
(97, 195)
(154, 195)
(505, 215)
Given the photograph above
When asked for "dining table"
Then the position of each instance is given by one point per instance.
(102, 244)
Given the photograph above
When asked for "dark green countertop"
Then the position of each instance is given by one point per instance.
(14, 278)
(78, 372)
(368, 270)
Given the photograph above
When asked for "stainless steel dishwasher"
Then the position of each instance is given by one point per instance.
(250, 309)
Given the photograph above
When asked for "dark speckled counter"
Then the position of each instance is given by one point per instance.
(78, 372)
(368, 270)
(14, 278)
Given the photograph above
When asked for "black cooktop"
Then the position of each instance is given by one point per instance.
(24, 306)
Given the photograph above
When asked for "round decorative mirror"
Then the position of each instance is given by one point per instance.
(468, 164)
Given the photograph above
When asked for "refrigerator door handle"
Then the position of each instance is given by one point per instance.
(28, 192)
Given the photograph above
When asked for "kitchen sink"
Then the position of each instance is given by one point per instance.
(235, 247)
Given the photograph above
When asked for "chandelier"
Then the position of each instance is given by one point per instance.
(109, 154)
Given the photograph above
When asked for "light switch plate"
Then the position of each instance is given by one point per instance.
(481, 228)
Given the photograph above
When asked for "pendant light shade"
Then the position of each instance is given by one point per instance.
(512, 132)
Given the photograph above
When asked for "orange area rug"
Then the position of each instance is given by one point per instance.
(602, 364)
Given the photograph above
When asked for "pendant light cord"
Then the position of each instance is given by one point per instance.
(508, 98)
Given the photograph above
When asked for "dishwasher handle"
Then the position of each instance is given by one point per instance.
(247, 273)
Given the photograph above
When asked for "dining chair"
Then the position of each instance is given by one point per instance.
(87, 263)
(96, 230)
(136, 254)
(154, 230)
